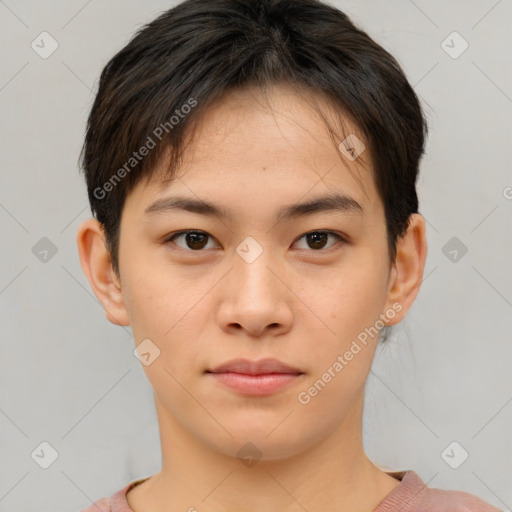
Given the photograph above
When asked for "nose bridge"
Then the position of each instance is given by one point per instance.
(251, 269)
(254, 289)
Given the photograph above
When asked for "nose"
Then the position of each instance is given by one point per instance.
(256, 299)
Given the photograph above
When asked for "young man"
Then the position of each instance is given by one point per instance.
(251, 166)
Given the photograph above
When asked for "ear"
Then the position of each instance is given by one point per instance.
(96, 265)
(407, 271)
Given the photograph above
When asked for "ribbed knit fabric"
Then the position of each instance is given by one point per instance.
(412, 495)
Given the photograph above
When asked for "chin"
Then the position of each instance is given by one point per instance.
(265, 443)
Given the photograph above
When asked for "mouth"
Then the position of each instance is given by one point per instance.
(257, 378)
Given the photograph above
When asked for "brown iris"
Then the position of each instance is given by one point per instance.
(317, 240)
(196, 240)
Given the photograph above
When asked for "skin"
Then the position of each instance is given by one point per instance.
(299, 302)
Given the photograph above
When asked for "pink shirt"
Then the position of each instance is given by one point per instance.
(410, 496)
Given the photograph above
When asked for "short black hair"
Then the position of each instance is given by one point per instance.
(154, 90)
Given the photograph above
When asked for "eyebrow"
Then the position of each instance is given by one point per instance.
(331, 202)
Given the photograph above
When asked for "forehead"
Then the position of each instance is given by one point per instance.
(282, 119)
(266, 139)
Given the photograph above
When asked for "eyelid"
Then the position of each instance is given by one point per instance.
(341, 238)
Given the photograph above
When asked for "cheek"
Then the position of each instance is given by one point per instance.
(160, 300)
(354, 298)
(350, 307)
(171, 311)
(343, 358)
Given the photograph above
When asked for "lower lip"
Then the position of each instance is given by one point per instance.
(255, 384)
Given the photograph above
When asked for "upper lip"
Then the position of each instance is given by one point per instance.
(260, 367)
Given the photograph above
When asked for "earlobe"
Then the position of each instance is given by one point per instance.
(96, 264)
(407, 272)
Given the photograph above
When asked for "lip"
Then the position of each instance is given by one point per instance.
(260, 367)
(258, 378)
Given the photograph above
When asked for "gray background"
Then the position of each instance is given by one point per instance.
(69, 377)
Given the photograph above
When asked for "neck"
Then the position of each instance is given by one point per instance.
(195, 476)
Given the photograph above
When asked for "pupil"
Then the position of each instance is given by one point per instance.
(313, 238)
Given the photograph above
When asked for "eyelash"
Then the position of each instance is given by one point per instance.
(171, 238)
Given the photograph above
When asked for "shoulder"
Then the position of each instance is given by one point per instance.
(457, 501)
(102, 505)
(116, 503)
(413, 495)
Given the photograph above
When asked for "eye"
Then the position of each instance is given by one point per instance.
(198, 240)
(318, 239)
(194, 240)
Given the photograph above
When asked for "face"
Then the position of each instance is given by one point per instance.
(261, 279)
